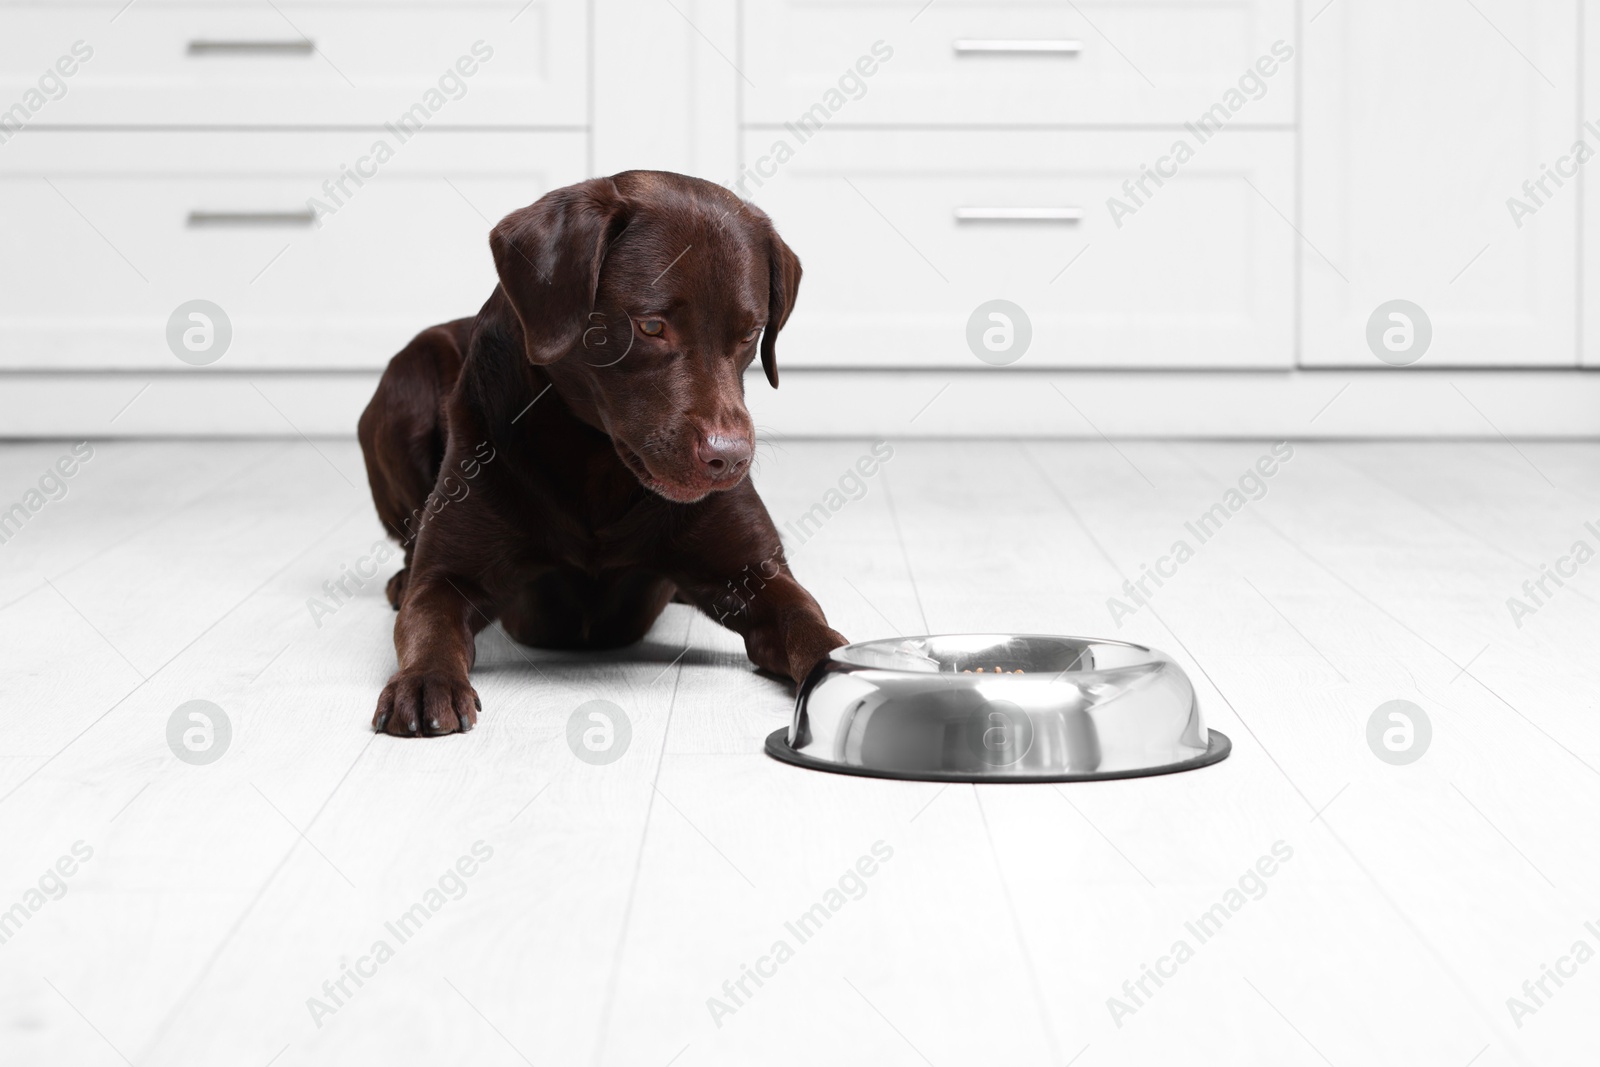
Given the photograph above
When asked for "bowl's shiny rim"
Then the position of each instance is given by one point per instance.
(777, 746)
(832, 657)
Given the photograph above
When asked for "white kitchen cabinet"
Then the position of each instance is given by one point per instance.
(302, 64)
(1133, 62)
(1378, 163)
(1199, 276)
(1420, 121)
(1589, 250)
(98, 257)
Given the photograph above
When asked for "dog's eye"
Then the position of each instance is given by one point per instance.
(652, 327)
(752, 335)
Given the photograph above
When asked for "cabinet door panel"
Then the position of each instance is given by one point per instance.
(1201, 275)
(214, 64)
(109, 233)
(1132, 62)
(1421, 121)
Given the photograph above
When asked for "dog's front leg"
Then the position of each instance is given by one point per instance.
(783, 627)
(433, 638)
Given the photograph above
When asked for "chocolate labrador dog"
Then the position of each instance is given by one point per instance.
(578, 455)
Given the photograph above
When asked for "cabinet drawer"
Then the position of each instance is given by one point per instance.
(300, 64)
(1200, 275)
(109, 233)
(1163, 62)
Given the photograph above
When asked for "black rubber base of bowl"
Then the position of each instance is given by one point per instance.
(778, 748)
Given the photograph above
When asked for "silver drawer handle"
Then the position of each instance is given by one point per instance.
(298, 46)
(203, 219)
(1019, 214)
(967, 46)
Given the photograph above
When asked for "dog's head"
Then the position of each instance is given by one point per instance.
(646, 296)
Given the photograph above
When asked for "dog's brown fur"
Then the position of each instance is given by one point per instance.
(562, 465)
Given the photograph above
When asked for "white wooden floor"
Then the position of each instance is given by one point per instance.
(619, 898)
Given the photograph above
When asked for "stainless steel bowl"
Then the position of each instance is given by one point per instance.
(997, 708)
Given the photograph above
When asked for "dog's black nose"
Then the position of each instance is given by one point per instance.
(724, 455)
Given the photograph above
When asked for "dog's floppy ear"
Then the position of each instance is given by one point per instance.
(548, 256)
(783, 275)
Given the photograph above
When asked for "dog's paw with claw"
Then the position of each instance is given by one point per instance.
(426, 704)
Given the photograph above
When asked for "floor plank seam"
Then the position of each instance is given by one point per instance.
(633, 884)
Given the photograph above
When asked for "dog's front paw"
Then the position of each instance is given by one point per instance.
(427, 704)
(807, 653)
